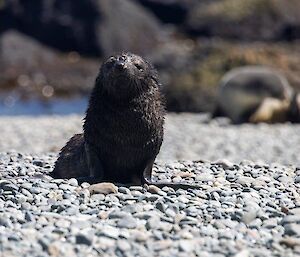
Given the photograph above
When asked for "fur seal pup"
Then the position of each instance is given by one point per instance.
(123, 127)
(243, 90)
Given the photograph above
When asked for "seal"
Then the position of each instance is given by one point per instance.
(123, 127)
(254, 94)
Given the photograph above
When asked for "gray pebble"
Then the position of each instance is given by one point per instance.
(186, 246)
(292, 230)
(110, 232)
(153, 223)
(44, 216)
(127, 222)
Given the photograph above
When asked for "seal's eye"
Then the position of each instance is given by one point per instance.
(110, 61)
(139, 67)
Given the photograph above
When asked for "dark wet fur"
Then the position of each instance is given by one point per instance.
(122, 133)
(72, 160)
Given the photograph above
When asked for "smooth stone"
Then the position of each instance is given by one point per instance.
(103, 188)
(127, 222)
(245, 181)
(62, 223)
(225, 164)
(295, 211)
(183, 199)
(66, 187)
(290, 219)
(290, 241)
(154, 189)
(139, 236)
(5, 221)
(123, 245)
(145, 215)
(117, 215)
(136, 188)
(186, 246)
(110, 232)
(153, 223)
(25, 206)
(160, 245)
(133, 208)
(292, 230)
(255, 224)
(124, 190)
(98, 197)
(270, 223)
(205, 177)
(73, 182)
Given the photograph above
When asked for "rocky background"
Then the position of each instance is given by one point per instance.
(248, 200)
(54, 48)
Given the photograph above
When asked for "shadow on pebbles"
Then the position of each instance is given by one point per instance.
(240, 210)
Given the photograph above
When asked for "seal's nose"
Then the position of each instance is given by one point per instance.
(120, 64)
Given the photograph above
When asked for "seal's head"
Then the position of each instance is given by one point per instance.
(126, 75)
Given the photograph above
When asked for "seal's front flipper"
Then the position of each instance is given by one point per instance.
(147, 173)
(94, 164)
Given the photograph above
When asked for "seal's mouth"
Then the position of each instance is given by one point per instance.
(121, 74)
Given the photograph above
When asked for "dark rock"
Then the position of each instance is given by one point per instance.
(174, 11)
(127, 222)
(83, 239)
(38, 163)
(90, 27)
(29, 217)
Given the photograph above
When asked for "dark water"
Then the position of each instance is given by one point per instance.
(11, 106)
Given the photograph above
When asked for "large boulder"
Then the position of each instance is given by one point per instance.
(91, 27)
(126, 26)
(65, 25)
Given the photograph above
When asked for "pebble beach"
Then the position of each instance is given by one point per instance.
(247, 203)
